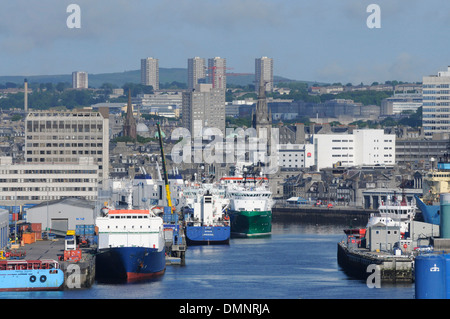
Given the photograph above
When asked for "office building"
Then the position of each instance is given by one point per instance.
(205, 104)
(196, 72)
(217, 73)
(292, 156)
(401, 103)
(150, 72)
(79, 80)
(436, 103)
(63, 137)
(264, 72)
(363, 147)
(32, 183)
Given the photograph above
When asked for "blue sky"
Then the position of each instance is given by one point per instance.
(316, 40)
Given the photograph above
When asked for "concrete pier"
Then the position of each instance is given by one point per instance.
(79, 274)
(392, 268)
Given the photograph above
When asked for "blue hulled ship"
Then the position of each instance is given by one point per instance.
(130, 245)
(206, 221)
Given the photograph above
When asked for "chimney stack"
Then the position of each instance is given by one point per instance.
(25, 102)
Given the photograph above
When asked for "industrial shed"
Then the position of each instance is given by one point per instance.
(4, 228)
(62, 214)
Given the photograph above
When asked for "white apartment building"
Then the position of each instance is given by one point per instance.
(79, 80)
(436, 103)
(150, 72)
(363, 147)
(32, 183)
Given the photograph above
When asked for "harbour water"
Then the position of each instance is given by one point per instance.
(297, 261)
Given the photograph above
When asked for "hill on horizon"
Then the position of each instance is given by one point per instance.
(166, 75)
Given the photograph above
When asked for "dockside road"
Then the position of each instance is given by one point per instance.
(44, 249)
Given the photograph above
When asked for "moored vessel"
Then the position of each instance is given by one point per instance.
(394, 213)
(250, 202)
(30, 275)
(130, 245)
(206, 220)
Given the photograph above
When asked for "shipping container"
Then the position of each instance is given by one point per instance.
(28, 238)
(72, 255)
(38, 235)
(89, 229)
(79, 230)
(36, 227)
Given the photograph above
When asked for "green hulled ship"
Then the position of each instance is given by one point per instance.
(250, 207)
(250, 223)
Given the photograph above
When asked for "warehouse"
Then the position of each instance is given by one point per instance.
(4, 228)
(63, 214)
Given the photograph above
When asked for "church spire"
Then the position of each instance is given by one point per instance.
(129, 128)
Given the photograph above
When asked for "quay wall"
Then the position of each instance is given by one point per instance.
(322, 215)
(80, 274)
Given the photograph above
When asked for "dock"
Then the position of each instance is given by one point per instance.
(393, 268)
(80, 275)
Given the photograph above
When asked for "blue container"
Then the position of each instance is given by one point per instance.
(430, 277)
(89, 229)
(80, 230)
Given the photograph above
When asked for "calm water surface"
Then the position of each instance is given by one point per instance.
(297, 261)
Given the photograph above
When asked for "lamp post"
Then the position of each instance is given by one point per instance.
(47, 224)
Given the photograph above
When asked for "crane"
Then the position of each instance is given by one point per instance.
(166, 179)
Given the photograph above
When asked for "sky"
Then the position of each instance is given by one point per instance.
(313, 40)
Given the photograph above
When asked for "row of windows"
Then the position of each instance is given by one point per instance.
(435, 122)
(43, 189)
(45, 137)
(128, 216)
(436, 92)
(438, 86)
(47, 171)
(64, 144)
(432, 116)
(37, 198)
(41, 152)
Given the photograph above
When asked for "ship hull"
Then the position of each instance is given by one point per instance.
(129, 263)
(207, 235)
(250, 223)
(31, 280)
